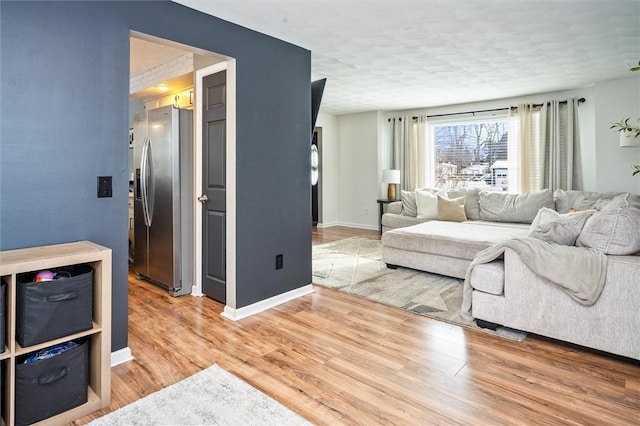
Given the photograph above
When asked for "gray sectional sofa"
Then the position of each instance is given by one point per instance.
(446, 247)
(511, 290)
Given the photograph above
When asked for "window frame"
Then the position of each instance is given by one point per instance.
(475, 118)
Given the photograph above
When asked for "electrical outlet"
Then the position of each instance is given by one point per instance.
(279, 261)
(105, 189)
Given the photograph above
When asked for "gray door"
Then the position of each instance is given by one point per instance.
(214, 185)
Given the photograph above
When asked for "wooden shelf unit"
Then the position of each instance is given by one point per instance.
(14, 262)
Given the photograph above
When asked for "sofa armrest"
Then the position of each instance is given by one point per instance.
(539, 306)
(395, 207)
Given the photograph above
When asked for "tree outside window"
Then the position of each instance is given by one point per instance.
(471, 155)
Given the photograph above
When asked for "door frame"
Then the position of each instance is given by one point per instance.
(230, 66)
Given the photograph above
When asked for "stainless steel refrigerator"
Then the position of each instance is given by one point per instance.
(163, 198)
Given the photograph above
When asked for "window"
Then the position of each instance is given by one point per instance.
(470, 154)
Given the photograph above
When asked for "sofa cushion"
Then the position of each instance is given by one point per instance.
(621, 200)
(488, 277)
(392, 220)
(409, 207)
(518, 208)
(461, 240)
(613, 231)
(395, 207)
(451, 210)
(553, 227)
(580, 200)
(471, 201)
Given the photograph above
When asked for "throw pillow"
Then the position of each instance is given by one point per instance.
(519, 208)
(612, 231)
(451, 210)
(553, 227)
(427, 204)
(409, 207)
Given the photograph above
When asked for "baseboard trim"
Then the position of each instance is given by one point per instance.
(358, 226)
(121, 356)
(263, 305)
(326, 225)
(348, 225)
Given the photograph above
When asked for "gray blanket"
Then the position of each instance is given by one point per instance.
(580, 271)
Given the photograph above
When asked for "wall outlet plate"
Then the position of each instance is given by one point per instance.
(105, 188)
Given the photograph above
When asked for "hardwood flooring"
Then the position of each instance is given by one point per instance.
(338, 359)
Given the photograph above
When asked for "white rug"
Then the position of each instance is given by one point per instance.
(210, 397)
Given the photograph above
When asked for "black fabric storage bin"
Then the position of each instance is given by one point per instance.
(3, 315)
(50, 386)
(51, 309)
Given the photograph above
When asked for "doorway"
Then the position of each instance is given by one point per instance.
(213, 104)
(215, 266)
(202, 60)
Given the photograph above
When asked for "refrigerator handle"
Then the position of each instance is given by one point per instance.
(151, 184)
(144, 181)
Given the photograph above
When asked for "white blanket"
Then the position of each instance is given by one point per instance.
(580, 271)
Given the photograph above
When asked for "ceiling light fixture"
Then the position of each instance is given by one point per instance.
(162, 87)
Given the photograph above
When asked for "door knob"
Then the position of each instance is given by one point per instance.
(203, 199)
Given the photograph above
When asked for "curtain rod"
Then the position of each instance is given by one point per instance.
(489, 110)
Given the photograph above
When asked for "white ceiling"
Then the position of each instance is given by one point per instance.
(402, 54)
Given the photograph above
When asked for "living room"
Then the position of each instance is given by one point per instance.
(355, 147)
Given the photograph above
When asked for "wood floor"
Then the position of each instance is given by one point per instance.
(339, 359)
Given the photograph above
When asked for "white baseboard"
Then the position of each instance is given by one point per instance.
(263, 305)
(349, 225)
(358, 225)
(121, 356)
(326, 225)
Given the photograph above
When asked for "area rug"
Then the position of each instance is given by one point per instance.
(210, 397)
(354, 265)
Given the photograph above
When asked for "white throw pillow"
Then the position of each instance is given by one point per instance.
(427, 204)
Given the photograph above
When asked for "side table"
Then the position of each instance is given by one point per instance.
(381, 203)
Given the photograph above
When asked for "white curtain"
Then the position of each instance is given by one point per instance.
(399, 152)
(409, 151)
(417, 169)
(545, 139)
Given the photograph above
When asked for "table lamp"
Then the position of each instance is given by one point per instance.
(392, 177)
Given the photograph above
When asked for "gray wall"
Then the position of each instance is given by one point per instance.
(64, 121)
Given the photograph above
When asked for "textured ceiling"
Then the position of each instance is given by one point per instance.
(391, 55)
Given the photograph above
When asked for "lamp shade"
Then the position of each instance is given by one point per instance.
(391, 176)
